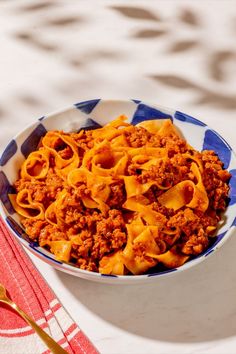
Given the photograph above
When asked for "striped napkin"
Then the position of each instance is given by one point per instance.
(30, 291)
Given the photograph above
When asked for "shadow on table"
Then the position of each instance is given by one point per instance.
(194, 306)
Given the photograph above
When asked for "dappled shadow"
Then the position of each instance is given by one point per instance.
(63, 21)
(217, 62)
(149, 33)
(188, 16)
(32, 7)
(222, 101)
(32, 39)
(180, 36)
(183, 45)
(204, 96)
(135, 12)
(28, 100)
(174, 81)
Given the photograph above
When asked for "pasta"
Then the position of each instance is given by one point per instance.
(121, 199)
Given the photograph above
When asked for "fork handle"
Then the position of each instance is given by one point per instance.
(50, 343)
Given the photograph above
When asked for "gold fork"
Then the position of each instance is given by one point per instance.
(50, 343)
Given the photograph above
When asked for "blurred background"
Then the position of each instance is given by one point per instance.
(180, 54)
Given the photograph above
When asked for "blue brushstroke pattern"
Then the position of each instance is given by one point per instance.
(33, 244)
(232, 184)
(219, 238)
(136, 101)
(162, 272)
(209, 252)
(31, 142)
(10, 150)
(87, 106)
(5, 189)
(17, 228)
(90, 124)
(45, 255)
(212, 141)
(211, 248)
(234, 222)
(188, 119)
(144, 112)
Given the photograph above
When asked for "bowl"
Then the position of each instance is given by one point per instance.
(89, 114)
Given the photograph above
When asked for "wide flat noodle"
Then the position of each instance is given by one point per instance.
(145, 211)
(36, 165)
(51, 214)
(141, 240)
(162, 127)
(195, 159)
(200, 199)
(62, 164)
(152, 126)
(178, 196)
(98, 186)
(112, 129)
(109, 163)
(186, 193)
(25, 206)
(112, 264)
(171, 258)
(134, 188)
(93, 168)
(61, 249)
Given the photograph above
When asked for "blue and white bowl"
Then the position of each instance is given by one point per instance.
(92, 114)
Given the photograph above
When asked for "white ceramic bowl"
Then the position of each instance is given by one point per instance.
(87, 115)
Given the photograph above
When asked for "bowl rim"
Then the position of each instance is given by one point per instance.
(71, 269)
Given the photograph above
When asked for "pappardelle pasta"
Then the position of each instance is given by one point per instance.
(121, 199)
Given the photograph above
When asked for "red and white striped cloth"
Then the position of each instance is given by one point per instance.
(30, 291)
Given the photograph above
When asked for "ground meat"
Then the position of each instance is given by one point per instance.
(84, 249)
(66, 153)
(210, 218)
(110, 234)
(83, 139)
(96, 230)
(114, 221)
(174, 145)
(50, 233)
(71, 210)
(168, 212)
(186, 220)
(33, 228)
(152, 195)
(44, 191)
(117, 195)
(138, 138)
(196, 243)
(87, 264)
(215, 180)
(165, 173)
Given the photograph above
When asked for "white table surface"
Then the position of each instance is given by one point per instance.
(180, 54)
